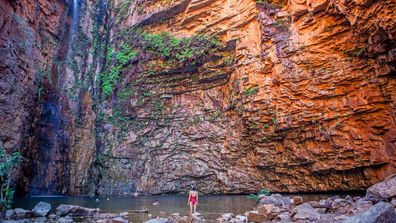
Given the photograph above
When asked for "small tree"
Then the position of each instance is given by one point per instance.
(8, 162)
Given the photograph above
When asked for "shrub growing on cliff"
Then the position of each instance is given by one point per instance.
(116, 61)
(7, 164)
(261, 192)
(188, 49)
(251, 91)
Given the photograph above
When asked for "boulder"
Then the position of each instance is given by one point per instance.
(275, 199)
(383, 190)
(241, 218)
(195, 218)
(362, 205)
(297, 200)
(10, 214)
(254, 216)
(41, 209)
(226, 217)
(124, 214)
(284, 217)
(52, 216)
(74, 210)
(22, 213)
(305, 212)
(157, 220)
(267, 208)
(339, 202)
(380, 213)
(175, 217)
(349, 198)
(393, 202)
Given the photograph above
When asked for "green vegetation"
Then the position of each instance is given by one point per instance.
(195, 120)
(7, 164)
(251, 91)
(126, 93)
(191, 50)
(360, 51)
(180, 50)
(261, 192)
(116, 61)
(188, 49)
(281, 24)
(274, 120)
(261, 1)
(215, 115)
(122, 10)
(229, 61)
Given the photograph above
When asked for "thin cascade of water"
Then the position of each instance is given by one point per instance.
(74, 22)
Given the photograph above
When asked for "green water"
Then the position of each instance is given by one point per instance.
(210, 206)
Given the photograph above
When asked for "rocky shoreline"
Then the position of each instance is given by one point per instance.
(377, 206)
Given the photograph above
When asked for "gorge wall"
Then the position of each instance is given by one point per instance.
(229, 95)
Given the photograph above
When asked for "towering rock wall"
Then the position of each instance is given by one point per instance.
(230, 96)
(31, 36)
(303, 99)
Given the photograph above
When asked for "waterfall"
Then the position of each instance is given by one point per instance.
(74, 22)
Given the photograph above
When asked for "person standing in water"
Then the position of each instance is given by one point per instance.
(193, 200)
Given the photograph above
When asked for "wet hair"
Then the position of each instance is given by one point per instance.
(193, 187)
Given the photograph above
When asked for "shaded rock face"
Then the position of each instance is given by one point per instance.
(40, 112)
(31, 37)
(299, 97)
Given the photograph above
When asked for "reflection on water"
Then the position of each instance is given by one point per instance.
(210, 206)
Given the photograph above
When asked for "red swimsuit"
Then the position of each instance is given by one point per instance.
(193, 199)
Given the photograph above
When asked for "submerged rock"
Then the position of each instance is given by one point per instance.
(380, 213)
(119, 220)
(157, 220)
(41, 209)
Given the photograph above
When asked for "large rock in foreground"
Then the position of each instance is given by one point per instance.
(74, 210)
(276, 200)
(379, 213)
(41, 209)
(385, 189)
(305, 212)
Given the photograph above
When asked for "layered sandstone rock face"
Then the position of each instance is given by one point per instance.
(307, 103)
(295, 96)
